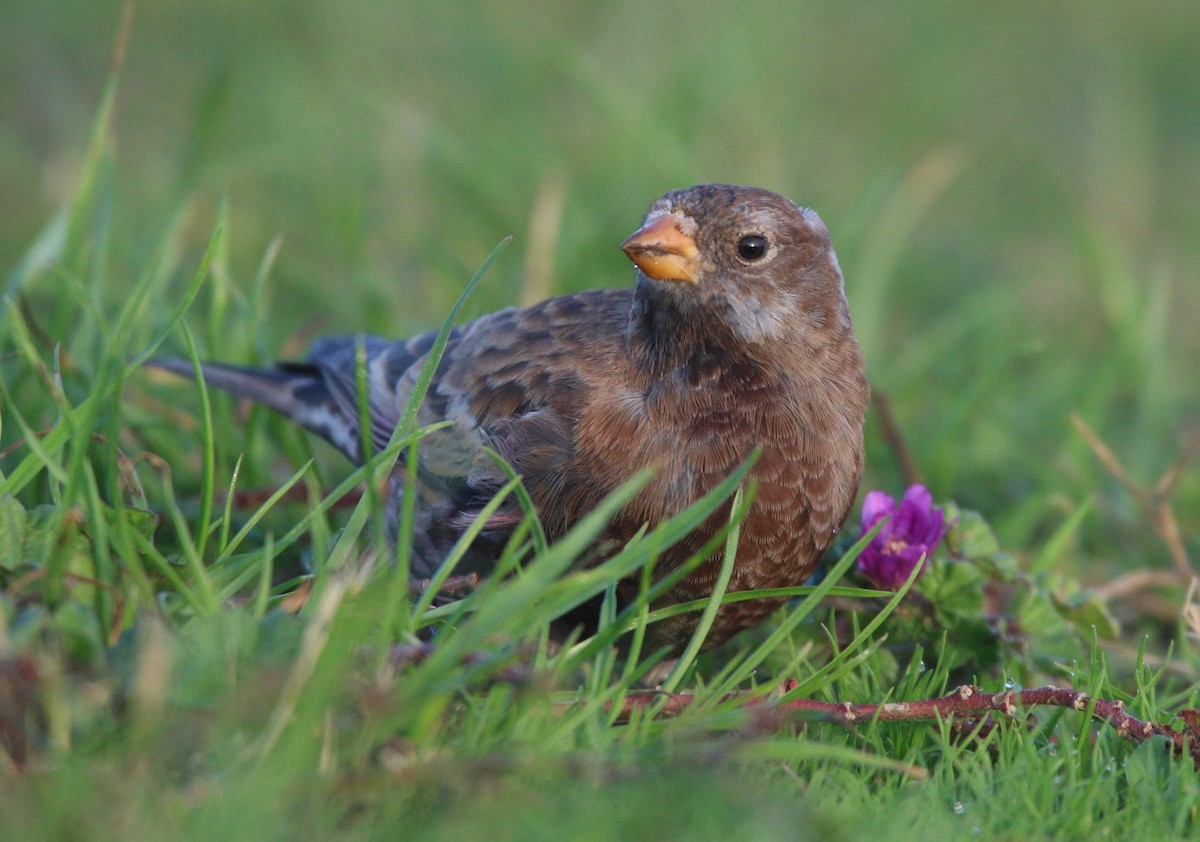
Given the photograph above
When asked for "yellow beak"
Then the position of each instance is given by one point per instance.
(662, 251)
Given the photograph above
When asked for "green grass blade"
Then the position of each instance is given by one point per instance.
(208, 478)
(185, 303)
(800, 613)
(739, 510)
(261, 512)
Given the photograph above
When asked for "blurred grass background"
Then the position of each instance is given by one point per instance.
(1012, 189)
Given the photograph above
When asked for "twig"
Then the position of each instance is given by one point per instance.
(252, 498)
(895, 438)
(967, 701)
(1134, 581)
(21, 442)
(452, 585)
(1191, 610)
(1153, 500)
(968, 709)
(1170, 478)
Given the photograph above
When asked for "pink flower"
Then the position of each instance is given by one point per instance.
(914, 530)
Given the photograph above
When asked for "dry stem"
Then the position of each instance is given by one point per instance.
(1155, 501)
(965, 702)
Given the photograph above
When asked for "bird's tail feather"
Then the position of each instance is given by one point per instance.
(297, 390)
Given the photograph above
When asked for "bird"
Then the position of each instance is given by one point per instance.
(735, 338)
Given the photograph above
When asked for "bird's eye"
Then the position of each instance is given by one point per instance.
(752, 247)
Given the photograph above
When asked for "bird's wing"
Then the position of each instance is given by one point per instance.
(515, 381)
(389, 369)
(520, 381)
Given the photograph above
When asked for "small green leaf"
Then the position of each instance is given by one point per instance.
(954, 587)
(1086, 611)
(13, 520)
(1057, 546)
(969, 536)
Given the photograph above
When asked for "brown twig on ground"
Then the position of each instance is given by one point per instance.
(1191, 610)
(22, 442)
(965, 702)
(253, 498)
(403, 655)
(895, 438)
(1134, 581)
(452, 585)
(968, 710)
(1155, 501)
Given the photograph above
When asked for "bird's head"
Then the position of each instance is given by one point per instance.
(755, 261)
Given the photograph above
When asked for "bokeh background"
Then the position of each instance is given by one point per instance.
(1013, 188)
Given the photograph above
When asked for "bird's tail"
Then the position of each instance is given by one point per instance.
(296, 390)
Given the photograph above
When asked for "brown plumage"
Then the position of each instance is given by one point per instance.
(737, 335)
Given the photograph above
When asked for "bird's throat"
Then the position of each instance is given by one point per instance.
(670, 327)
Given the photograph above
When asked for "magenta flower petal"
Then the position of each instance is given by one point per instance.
(919, 496)
(876, 506)
(914, 529)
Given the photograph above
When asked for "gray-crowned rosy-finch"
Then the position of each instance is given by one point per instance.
(736, 335)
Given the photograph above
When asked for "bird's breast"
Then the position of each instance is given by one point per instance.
(809, 463)
(692, 437)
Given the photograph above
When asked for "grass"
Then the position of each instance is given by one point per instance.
(1008, 193)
